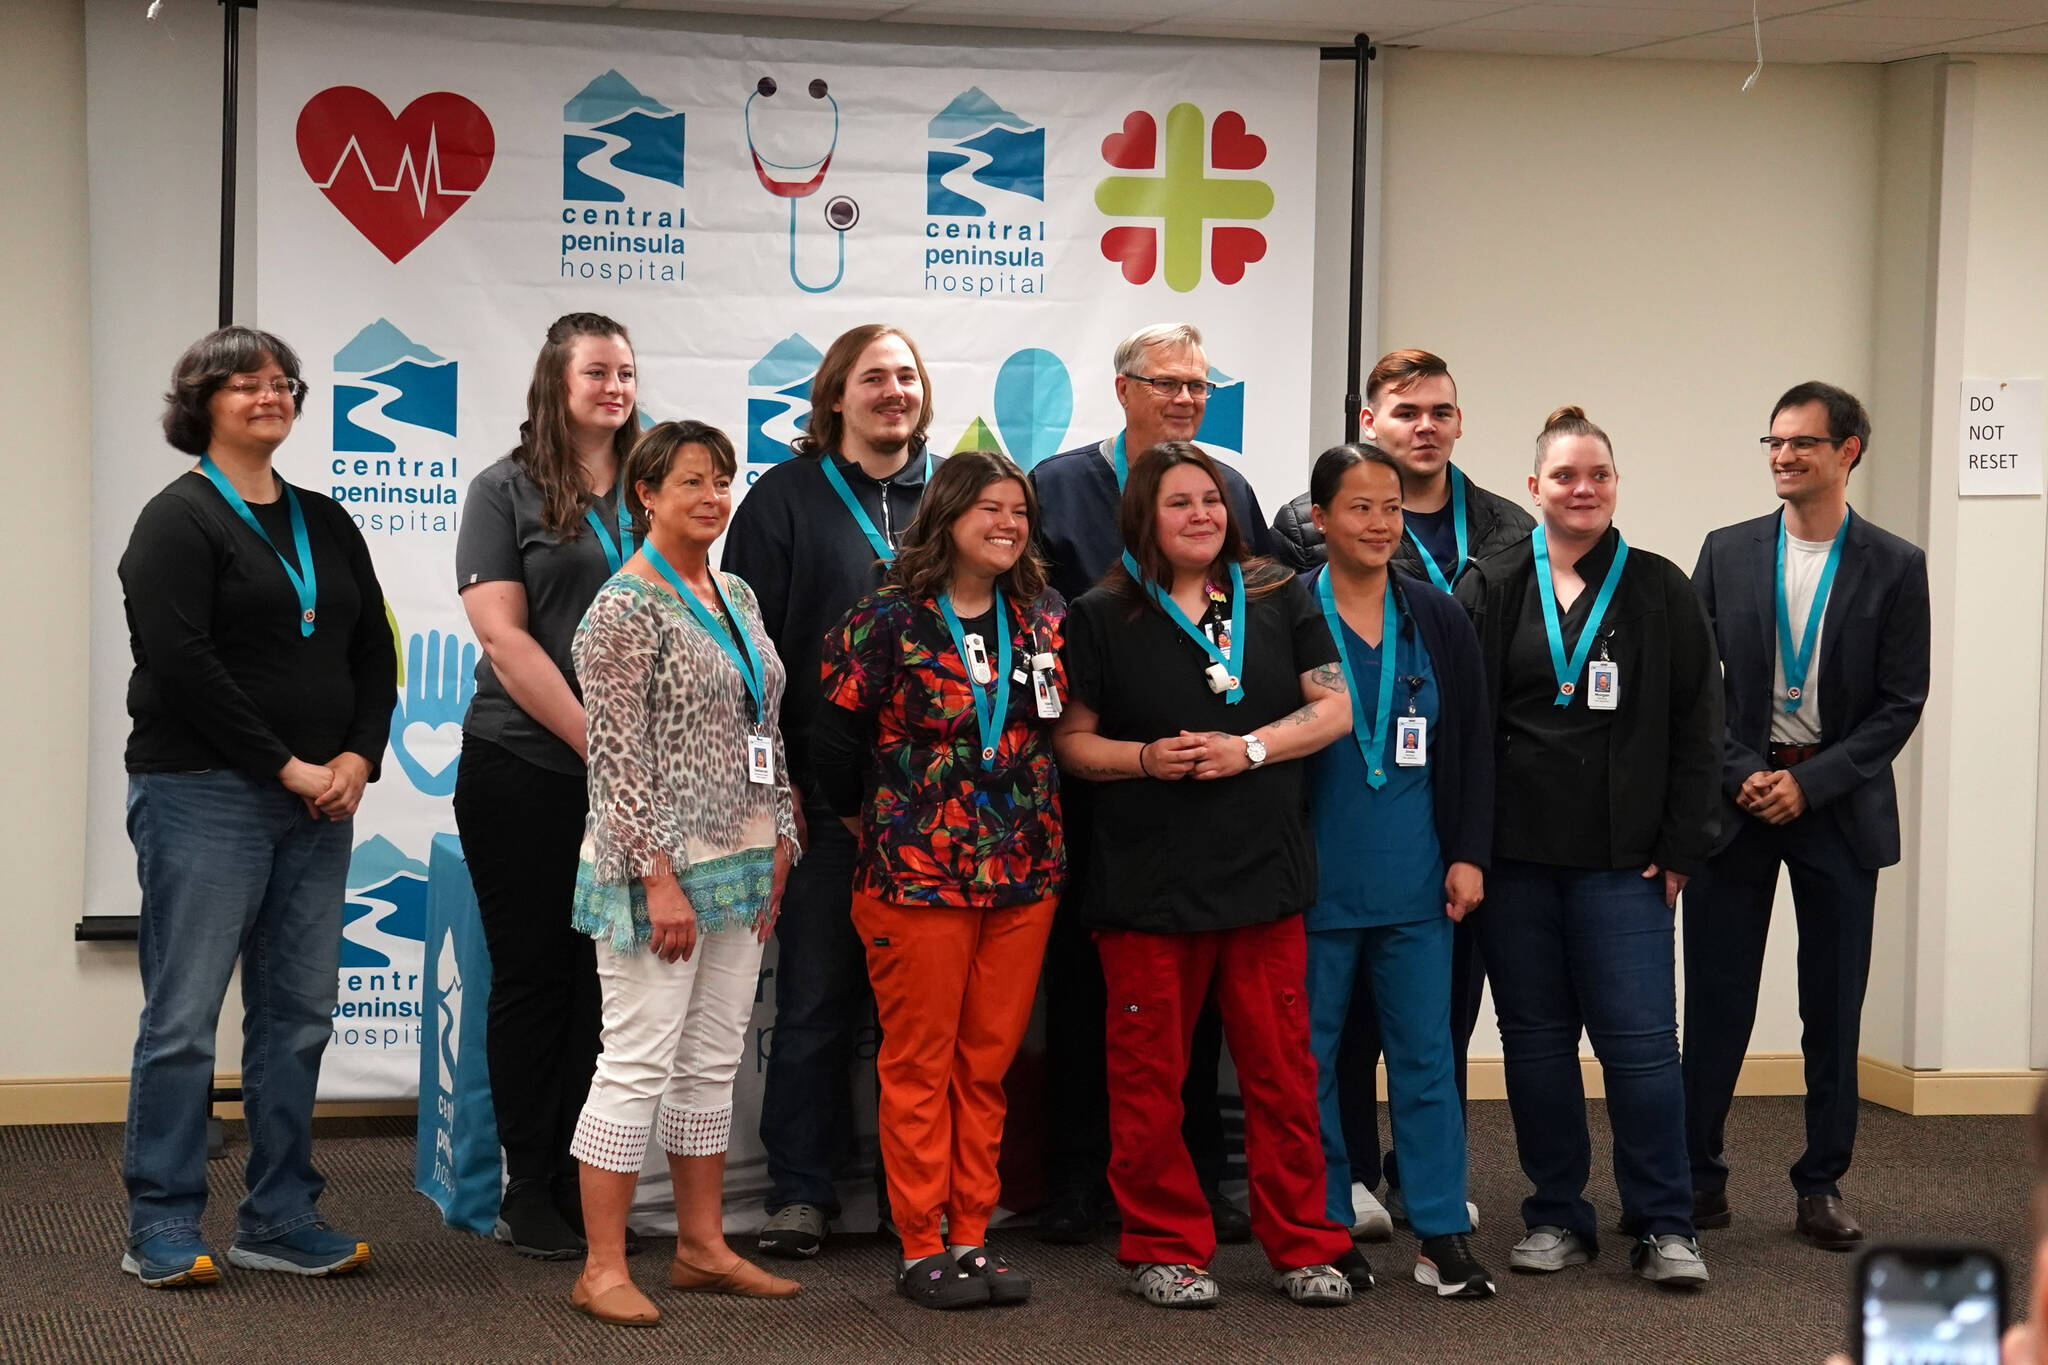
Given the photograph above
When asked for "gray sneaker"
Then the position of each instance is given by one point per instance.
(1669, 1261)
(1547, 1249)
(1314, 1286)
(793, 1232)
(1370, 1221)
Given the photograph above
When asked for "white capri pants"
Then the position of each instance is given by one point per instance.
(673, 1036)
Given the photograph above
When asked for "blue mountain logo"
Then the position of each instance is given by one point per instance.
(779, 398)
(977, 147)
(1223, 420)
(386, 910)
(384, 378)
(616, 132)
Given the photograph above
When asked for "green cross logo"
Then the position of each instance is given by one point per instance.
(1184, 196)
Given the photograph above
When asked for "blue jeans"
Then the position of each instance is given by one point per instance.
(230, 868)
(1405, 971)
(1571, 949)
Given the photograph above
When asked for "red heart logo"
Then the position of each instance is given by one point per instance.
(395, 179)
(1137, 250)
(1231, 148)
(1137, 146)
(1231, 249)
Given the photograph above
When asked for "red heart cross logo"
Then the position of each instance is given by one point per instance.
(1136, 148)
(1231, 249)
(1231, 148)
(1136, 249)
(395, 179)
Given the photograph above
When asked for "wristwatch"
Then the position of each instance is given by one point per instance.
(1254, 750)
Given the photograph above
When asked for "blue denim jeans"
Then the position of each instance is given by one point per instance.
(1594, 950)
(231, 868)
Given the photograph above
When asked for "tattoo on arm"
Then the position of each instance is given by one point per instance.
(1329, 677)
(1300, 716)
(1096, 771)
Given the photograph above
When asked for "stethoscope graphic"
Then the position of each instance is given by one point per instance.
(841, 213)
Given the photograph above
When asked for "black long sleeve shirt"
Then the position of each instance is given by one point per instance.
(223, 677)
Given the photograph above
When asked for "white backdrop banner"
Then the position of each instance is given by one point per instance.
(434, 189)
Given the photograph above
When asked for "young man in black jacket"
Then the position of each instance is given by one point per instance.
(1806, 782)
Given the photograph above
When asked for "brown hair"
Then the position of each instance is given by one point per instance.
(654, 454)
(924, 561)
(1401, 371)
(209, 363)
(828, 386)
(1568, 421)
(1137, 520)
(545, 453)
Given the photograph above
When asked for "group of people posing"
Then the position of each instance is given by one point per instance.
(941, 727)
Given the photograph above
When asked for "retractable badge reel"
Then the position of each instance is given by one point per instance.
(1603, 682)
(1411, 733)
(1043, 689)
(1220, 680)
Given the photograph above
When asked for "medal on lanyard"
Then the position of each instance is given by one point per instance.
(1371, 738)
(1568, 670)
(1458, 524)
(1798, 661)
(1226, 669)
(884, 551)
(990, 714)
(741, 651)
(305, 581)
(615, 554)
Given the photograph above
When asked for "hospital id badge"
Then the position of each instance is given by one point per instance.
(1411, 742)
(1047, 695)
(1603, 685)
(760, 760)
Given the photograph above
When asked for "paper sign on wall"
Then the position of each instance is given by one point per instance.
(1999, 453)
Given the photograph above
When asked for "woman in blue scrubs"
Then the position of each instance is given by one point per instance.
(1404, 825)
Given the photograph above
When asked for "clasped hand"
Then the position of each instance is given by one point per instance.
(1775, 798)
(1204, 756)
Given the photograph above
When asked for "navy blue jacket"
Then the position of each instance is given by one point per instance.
(1461, 749)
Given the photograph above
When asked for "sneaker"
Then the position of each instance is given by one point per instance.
(1370, 1221)
(793, 1232)
(937, 1282)
(531, 1225)
(1174, 1286)
(1314, 1286)
(1232, 1223)
(1072, 1217)
(313, 1249)
(1546, 1249)
(1006, 1283)
(1669, 1261)
(1446, 1265)
(176, 1256)
(1356, 1269)
(1397, 1208)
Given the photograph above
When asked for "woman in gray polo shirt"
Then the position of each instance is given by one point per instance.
(542, 529)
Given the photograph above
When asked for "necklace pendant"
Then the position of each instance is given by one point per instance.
(308, 619)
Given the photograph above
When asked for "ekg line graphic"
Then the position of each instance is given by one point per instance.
(406, 172)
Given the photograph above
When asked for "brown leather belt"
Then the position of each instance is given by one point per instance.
(1785, 755)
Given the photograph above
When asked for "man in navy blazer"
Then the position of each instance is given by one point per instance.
(1822, 623)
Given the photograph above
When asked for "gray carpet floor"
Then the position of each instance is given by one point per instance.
(434, 1295)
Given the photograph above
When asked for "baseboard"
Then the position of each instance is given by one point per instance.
(104, 1099)
(1946, 1092)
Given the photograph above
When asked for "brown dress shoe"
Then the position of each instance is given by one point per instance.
(1825, 1221)
(622, 1304)
(746, 1280)
(1710, 1210)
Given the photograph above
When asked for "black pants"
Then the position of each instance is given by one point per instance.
(1077, 1048)
(521, 827)
(1727, 916)
(1358, 1054)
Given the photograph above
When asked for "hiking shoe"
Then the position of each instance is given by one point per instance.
(1370, 1221)
(1006, 1283)
(793, 1232)
(1446, 1265)
(937, 1282)
(1397, 1208)
(176, 1256)
(1072, 1217)
(1314, 1286)
(531, 1225)
(1546, 1249)
(1356, 1269)
(1669, 1261)
(1174, 1286)
(312, 1249)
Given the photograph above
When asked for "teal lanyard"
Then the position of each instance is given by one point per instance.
(1797, 663)
(1568, 670)
(615, 553)
(1118, 465)
(1231, 661)
(1436, 575)
(884, 551)
(1371, 740)
(305, 581)
(740, 651)
(990, 714)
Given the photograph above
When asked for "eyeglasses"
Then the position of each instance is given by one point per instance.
(1167, 387)
(1801, 445)
(295, 389)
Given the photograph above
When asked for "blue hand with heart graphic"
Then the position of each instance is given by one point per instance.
(426, 725)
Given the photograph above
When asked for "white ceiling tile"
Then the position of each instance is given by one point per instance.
(801, 9)
(1389, 19)
(1466, 38)
(2008, 11)
(1259, 31)
(1738, 47)
(1638, 21)
(1898, 32)
(2031, 39)
(939, 16)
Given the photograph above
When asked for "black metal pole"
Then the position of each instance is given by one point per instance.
(1360, 53)
(230, 100)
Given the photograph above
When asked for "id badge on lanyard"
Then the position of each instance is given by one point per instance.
(1411, 733)
(760, 760)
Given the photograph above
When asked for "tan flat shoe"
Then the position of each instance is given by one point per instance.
(622, 1304)
(746, 1280)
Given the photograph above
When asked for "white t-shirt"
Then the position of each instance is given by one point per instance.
(1804, 560)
